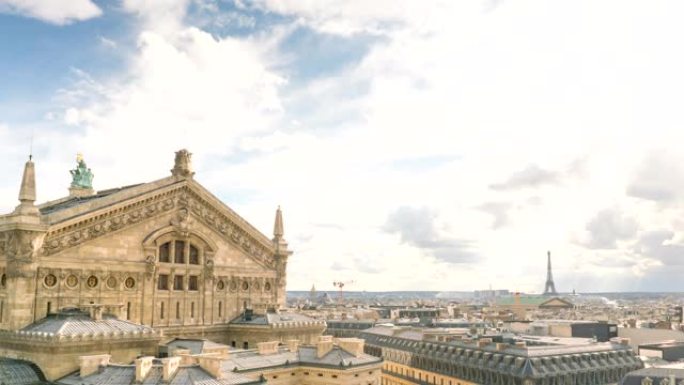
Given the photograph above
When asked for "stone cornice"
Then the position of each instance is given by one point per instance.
(44, 337)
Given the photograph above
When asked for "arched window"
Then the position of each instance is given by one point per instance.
(220, 309)
(194, 256)
(179, 253)
(164, 251)
(176, 252)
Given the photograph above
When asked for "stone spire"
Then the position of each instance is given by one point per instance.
(278, 230)
(27, 191)
(182, 166)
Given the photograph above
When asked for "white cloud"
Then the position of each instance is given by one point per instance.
(53, 11)
(493, 90)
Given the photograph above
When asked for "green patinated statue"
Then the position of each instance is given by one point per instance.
(82, 177)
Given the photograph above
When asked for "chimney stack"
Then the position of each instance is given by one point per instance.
(142, 367)
(170, 366)
(91, 364)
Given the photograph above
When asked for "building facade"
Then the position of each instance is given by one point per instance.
(411, 359)
(166, 254)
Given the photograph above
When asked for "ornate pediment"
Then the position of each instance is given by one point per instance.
(191, 207)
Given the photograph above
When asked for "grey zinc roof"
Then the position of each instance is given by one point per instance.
(67, 202)
(308, 355)
(273, 319)
(196, 346)
(248, 360)
(74, 323)
(655, 374)
(18, 372)
(125, 375)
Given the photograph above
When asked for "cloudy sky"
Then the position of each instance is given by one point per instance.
(413, 145)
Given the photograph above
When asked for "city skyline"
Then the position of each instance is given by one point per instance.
(412, 146)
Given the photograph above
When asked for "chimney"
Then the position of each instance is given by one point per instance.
(482, 342)
(323, 348)
(92, 364)
(501, 346)
(212, 365)
(169, 367)
(292, 345)
(185, 356)
(142, 367)
(266, 348)
(95, 312)
(352, 345)
(520, 344)
(626, 341)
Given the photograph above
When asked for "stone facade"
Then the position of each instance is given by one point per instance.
(166, 254)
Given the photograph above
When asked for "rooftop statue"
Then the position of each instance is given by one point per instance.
(82, 177)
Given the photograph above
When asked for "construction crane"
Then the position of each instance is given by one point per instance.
(340, 285)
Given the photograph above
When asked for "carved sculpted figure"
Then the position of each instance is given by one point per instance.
(81, 176)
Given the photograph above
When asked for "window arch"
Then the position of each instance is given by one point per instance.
(167, 245)
(179, 252)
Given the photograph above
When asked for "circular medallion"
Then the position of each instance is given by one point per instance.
(257, 286)
(50, 280)
(267, 286)
(72, 281)
(220, 285)
(111, 282)
(245, 285)
(92, 281)
(130, 283)
(233, 285)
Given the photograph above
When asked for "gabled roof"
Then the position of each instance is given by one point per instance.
(73, 220)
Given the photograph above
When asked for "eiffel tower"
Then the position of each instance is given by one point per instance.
(549, 288)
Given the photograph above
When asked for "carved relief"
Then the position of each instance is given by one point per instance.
(92, 282)
(50, 280)
(130, 283)
(182, 222)
(209, 266)
(150, 265)
(112, 282)
(20, 249)
(72, 281)
(61, 239)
